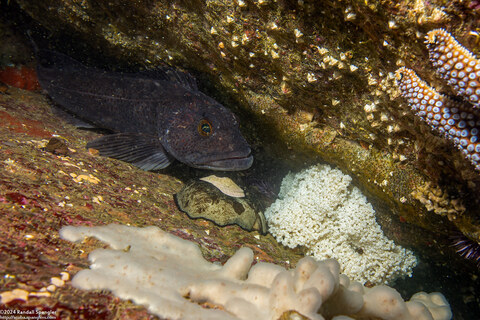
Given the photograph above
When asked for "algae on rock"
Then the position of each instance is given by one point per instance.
(317, 75)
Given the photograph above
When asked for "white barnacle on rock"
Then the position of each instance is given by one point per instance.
(311, 77)
(297, 33)
(384, 117)
(392, 24)
(372, 81)
(319, 208)
(322, 50)
(330, 60)
(370, 107)
(349, 15)
(272, 25)
(245, 38)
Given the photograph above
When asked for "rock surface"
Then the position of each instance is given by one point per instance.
(317, 76)
(41, 191)
(309, 81)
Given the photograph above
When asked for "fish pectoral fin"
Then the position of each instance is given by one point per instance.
(143, 151)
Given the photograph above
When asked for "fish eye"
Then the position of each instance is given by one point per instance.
(205, 128)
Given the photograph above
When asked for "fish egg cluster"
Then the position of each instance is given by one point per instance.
(454, 120)
(455, 64)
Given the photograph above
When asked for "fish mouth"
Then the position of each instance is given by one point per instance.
(227, 164)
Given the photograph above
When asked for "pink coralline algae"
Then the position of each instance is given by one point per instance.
(458, 121)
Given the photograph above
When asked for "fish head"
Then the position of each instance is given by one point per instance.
(204, 134)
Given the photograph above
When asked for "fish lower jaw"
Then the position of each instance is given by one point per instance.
(230, 164)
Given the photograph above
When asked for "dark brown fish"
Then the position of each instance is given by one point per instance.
(156, 116)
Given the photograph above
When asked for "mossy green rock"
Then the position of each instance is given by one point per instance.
(201, 199)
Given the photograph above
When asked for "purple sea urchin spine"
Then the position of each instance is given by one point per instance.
(467, 248)
(454, 120)
(455, 64)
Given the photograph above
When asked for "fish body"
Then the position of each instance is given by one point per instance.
(155, 116)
